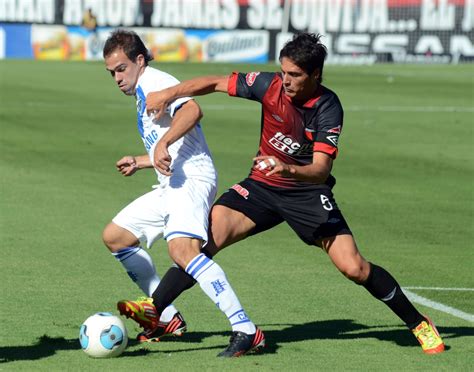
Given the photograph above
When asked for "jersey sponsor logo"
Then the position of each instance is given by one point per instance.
(336, 130)
(250, 78)
(333, 139)
(277, 118)
(150, 139)
(289, 146)
(242, 191)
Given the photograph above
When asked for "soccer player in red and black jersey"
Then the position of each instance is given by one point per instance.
(290, 181)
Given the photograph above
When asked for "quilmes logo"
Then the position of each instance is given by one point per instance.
(289, 146)
(248, 45)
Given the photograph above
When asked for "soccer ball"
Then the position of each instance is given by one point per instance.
(103, 335)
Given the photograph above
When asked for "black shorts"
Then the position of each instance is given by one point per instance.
(312, 213)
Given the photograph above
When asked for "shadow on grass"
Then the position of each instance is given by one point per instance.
(340, 329)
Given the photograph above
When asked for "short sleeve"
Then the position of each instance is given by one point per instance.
(327, 126)
(252, 85)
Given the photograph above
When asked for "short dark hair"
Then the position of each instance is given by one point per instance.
(307, 52)
(129, 42)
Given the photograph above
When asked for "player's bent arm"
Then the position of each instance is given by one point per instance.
(128, 165)
(317, 172)
(158, 101)
(183, 121)
(143, 161)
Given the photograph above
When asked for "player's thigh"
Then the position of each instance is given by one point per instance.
(187, 209)
(345, 255)
(243, 210)
(228, 226)
(144, 218)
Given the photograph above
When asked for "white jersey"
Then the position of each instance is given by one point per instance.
(190, 154)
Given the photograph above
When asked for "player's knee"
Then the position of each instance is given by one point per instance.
(109, 237)
(354, 272)
(183, 250)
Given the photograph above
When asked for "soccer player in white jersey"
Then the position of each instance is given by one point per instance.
(177, 209)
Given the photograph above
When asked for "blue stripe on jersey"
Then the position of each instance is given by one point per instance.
(141, 106)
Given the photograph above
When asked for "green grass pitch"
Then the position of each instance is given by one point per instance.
(405, 184)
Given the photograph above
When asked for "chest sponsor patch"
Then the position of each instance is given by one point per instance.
(250, 78)
(289, 145)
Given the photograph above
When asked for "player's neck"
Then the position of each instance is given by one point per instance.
(312, 93)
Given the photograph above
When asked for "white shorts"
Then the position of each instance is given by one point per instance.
(170, 212)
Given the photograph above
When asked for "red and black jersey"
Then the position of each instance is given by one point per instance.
(289, 132)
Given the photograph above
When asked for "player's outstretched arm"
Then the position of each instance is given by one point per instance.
(128, 165)
(156, 102)
(183, 121)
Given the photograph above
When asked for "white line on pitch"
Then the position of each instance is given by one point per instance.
(441, 288)
(438, 306)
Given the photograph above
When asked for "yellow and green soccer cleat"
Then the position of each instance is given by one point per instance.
(428, 337)
(142, 311)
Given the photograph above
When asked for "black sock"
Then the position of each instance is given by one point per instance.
(206, 252)
(385, 288)
(175, 282)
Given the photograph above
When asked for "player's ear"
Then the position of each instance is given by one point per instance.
(315, 76)
(140, 61)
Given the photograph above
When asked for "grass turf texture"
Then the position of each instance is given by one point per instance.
(405, 181)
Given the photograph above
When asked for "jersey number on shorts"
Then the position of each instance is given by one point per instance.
(326, 203)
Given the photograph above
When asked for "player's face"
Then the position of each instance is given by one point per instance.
(124, 71)
(297, 84)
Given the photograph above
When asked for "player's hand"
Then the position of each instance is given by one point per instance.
(156, 104)
(162, 159)
(273, 166)
(127, 165)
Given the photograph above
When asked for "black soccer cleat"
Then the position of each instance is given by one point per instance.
(241, 343)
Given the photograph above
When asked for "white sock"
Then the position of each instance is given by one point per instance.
(214, 283)
(140, 268)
